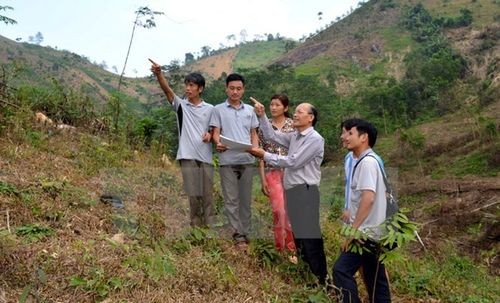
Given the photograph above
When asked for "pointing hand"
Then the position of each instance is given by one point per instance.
(259, 109)
(155, 67)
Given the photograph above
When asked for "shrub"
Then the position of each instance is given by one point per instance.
(58, 103)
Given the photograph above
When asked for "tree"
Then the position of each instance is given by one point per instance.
(230, 38)
(205, 51)
(289, 45)
(103, 65)
(5, 19)
(243, 35)
(320, 16)
(142, 12)
(37, 39)
(188, 58)
(258, 37)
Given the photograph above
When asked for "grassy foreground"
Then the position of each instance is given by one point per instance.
(60, 243)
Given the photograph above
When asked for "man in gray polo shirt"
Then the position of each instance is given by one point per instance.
(236, 120)
(301, 181)
(195, 151)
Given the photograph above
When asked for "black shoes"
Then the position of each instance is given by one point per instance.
(238, 238)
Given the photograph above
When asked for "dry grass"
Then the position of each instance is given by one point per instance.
(81, 261)
(88, 251)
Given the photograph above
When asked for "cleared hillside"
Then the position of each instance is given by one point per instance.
(39, 66)
(255, 54)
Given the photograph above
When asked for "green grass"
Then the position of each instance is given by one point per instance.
(476, 163)
(449, 277)
(483, 11)
(258, 54)
(396, 39)
(385, 145)
(321, 65)
(34, 232)
(8, 189)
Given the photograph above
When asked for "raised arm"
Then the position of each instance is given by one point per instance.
(267, 130)
(156, 69)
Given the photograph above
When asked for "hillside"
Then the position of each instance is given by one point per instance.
(371, 38)
(40, 66)
(213, 66)
(62, 242)
(255, 54)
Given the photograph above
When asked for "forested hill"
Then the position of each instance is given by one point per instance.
(398, 63)
(31, 64)
(371, 38)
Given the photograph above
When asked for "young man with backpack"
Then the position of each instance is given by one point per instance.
(366, 212)
(349, 162)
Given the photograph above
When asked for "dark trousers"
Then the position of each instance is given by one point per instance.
(302, 203)
(374, 277)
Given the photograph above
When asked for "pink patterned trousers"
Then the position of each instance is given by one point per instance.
(283, 236)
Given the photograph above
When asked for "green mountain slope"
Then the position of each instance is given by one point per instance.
(40, 66)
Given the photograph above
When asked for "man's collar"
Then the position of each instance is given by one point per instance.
(365, 152)
(306, 131)
(202, 103)
(239, 107)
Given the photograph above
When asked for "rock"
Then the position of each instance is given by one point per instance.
(43, 119)
(65, 128)
(118, 238)
(165, 160)
(375, 48)
(115, 201)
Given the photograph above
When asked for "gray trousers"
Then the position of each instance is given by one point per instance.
(198, 184)
(236, 183)
(302, 206)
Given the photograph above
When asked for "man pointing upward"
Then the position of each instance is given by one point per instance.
(301, 180)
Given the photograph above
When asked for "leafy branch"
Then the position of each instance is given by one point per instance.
(399, 231)
(141, 13)
(5, 19)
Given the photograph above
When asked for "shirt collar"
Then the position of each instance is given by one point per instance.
(201, 104)
(307, 131)
(369, 150)
(242, 105)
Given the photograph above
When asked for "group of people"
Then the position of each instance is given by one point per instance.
(290, 152)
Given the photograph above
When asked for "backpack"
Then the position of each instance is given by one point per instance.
(392, 203)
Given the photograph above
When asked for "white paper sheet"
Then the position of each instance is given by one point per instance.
(233, 144)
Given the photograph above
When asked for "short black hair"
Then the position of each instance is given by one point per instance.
(363, 127)
(195, 78)
(235, 77)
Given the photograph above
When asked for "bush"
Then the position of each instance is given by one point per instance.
(412, 140)
(432, 68)
(58, 103)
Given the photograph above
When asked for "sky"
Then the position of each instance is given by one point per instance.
(101, 29)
